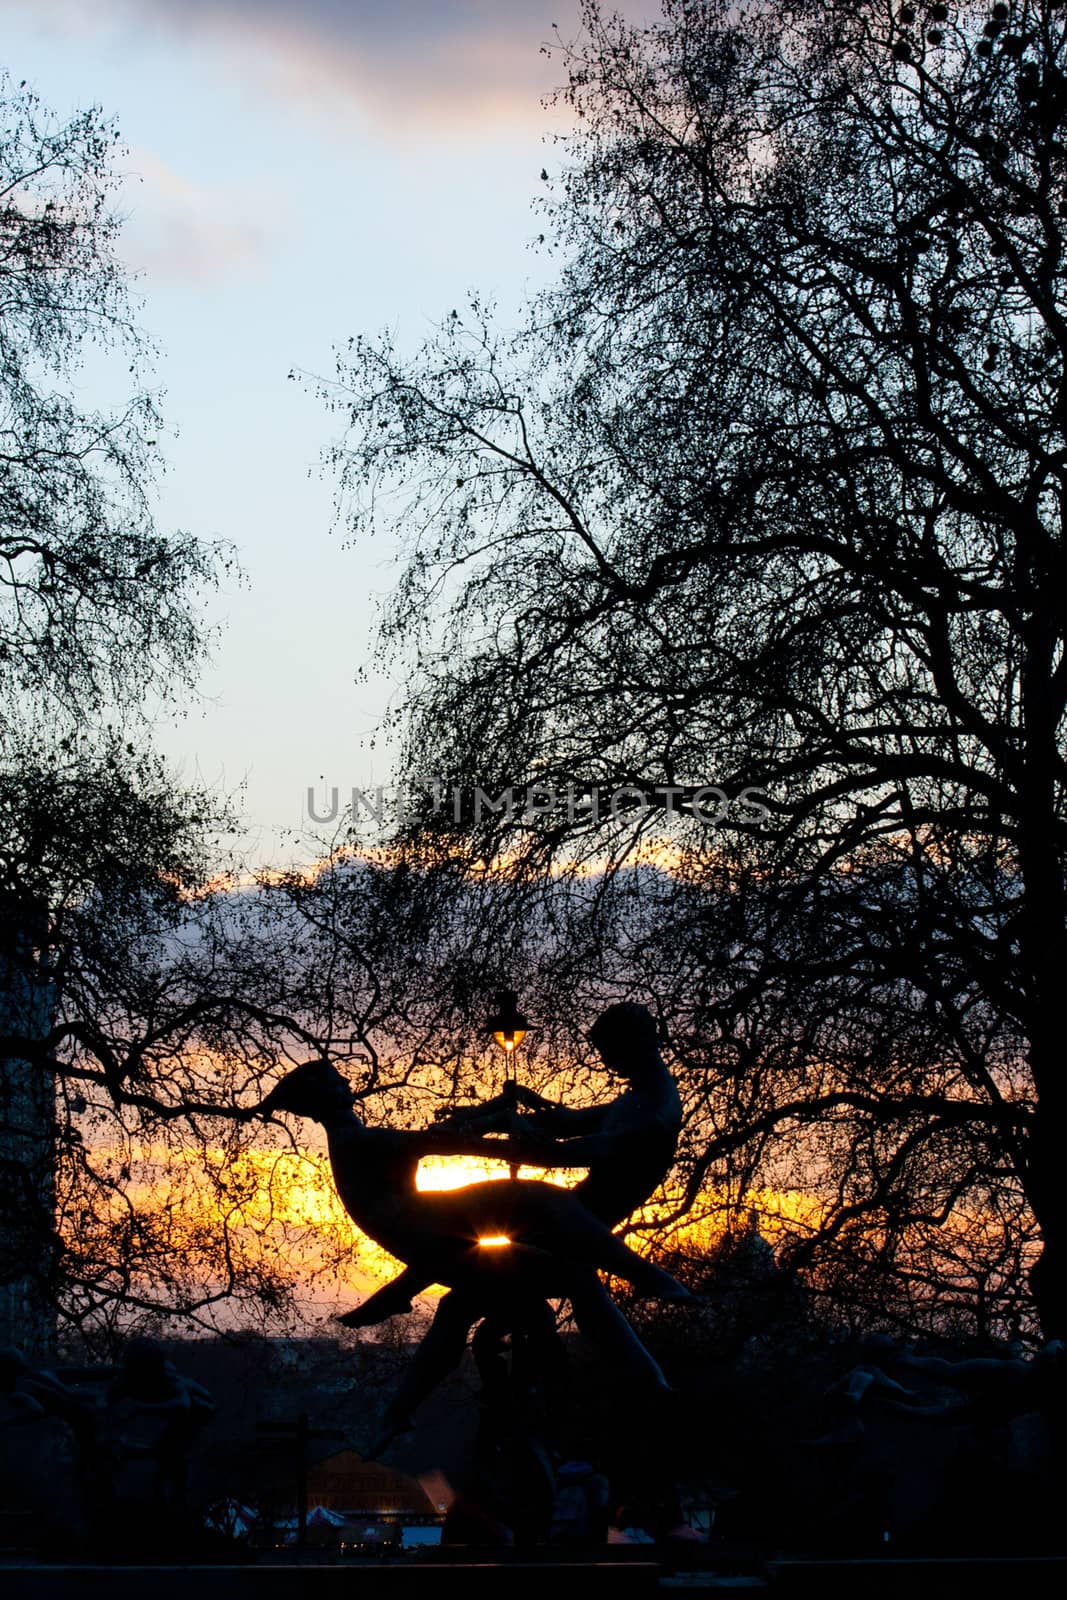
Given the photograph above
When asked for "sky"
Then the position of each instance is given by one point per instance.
(299, 171)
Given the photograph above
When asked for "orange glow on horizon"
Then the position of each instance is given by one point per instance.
(456, 1172)
(494, 1241)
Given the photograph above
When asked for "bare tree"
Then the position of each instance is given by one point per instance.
(99, 621)
(96, 605)
(768, 492)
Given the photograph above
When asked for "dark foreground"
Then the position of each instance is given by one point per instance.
(916, 1579)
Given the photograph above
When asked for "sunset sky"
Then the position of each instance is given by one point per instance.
(300, 171)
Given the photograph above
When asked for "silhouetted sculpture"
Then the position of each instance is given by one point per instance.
(149, 1386)
(438, 1232)
(627, 1145)
(628, 1148)
(985, 1387)
(30, 1395)
(963, 1453)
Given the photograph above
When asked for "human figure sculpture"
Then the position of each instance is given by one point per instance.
(438, 1232)
(150, 1391)
(627, 1146)
(985, 1388)
(30, 1393)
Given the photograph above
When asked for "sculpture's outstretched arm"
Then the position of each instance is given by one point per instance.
(557, 1120)
(524, 1149)
(547, 1116)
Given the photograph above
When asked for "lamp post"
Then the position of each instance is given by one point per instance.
(509, 1028)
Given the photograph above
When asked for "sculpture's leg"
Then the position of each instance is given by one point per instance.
(439, 1353)
(538, 1216)
(392, 1300)
(599, 1317)
(590, 1241)
(491, 1286)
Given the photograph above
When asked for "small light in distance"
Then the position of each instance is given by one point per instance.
(494, 1241)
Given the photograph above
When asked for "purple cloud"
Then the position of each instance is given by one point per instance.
(460, 63)
(181, 230)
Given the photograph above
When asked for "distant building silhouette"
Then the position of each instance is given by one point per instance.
(27, 1131)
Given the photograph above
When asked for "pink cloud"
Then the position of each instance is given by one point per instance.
(178, 229)
(457, 65)
(408, 65)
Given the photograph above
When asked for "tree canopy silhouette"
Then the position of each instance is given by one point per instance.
(768, 490)
(95, 603)
(100, 623)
